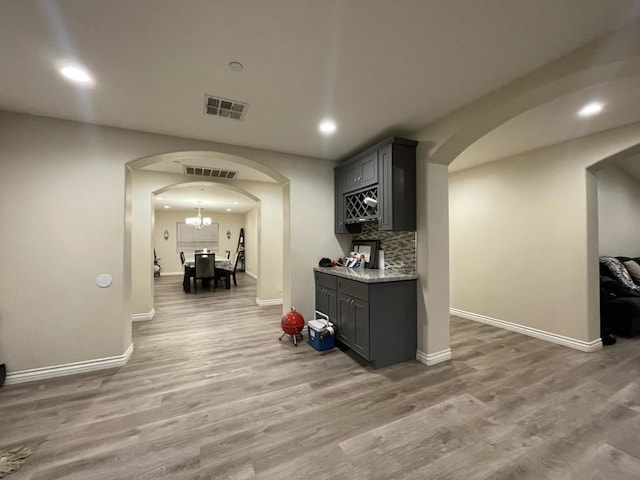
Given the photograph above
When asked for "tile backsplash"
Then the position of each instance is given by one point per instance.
(399, 247)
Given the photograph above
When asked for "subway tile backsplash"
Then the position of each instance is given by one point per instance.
(399, 247)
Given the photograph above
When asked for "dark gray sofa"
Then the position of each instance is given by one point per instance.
(619, 304)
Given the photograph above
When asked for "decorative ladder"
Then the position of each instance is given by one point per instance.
(240, 251)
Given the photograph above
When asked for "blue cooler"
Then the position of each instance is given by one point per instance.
(314, 328)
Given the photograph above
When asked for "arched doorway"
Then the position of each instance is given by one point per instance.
(609, 64)
(153, 175)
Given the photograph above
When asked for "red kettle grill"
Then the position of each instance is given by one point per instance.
(292, 324)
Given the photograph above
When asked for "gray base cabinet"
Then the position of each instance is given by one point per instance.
(375, 320)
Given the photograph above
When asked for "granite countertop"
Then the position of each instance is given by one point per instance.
(367, 275)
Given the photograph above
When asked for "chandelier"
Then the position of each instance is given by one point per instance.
(198, 222)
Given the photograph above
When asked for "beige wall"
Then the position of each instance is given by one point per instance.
(519, 236)
(432, 259)
(74, 176)
(251, 239)
(166, 249)
(62, 222)
(618, 213)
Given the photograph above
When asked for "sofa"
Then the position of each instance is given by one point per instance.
(619, 297)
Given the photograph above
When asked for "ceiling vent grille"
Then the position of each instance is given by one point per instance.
(222, 107)
(209, 172)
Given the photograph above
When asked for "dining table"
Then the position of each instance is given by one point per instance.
(224, 267)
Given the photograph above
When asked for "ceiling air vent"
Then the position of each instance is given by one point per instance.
(209, 172)
(223, 107)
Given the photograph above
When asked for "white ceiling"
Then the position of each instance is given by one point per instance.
(631, 165)
(214, 198)
(378, 67)
(555, 122)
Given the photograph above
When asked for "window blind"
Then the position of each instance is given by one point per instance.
(191, 239)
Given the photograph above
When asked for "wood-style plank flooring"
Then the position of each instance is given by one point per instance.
(210, 393)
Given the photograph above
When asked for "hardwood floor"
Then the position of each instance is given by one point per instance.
(210, 393)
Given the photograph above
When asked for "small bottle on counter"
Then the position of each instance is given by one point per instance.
(362, 261)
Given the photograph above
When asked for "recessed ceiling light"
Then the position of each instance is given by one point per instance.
(167, 206)
(235, 203)
(327, 127)
(228, 209)
(76, 74)
(236, 66)
(590, 109)
(160, 198)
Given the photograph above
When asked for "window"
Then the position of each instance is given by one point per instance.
(189, 239)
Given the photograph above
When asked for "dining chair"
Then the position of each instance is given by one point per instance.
(156, 264)
(227, 254)
(235, 268)
(205, 269)
(182, 258)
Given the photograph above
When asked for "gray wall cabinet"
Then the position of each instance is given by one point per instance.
(385, 172)
(375, 320)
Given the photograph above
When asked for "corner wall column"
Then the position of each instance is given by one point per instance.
(432, 257)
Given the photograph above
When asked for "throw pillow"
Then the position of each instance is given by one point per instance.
(619, 272)
(634, 270)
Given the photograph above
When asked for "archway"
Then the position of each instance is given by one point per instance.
(268, 188)
(611, 59)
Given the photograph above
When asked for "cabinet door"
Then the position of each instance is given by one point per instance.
(332, 306)
(361, 327)
(368, 170)
(326, 302)
(346, 322)
(385, 189)
(321, 300)
(351, 178)
(340, 226)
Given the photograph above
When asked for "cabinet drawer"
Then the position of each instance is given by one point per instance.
(326, 280)
(355, 289)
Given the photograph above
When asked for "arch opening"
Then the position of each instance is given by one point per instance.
(259, 190)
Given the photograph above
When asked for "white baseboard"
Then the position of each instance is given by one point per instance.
(251, 274)
(162, 274)
(433, 358)
(532, 332)
(268, 302)
(142, 317)
(69, 368)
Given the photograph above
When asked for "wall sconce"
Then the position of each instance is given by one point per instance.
(229, 234)
(166, 234)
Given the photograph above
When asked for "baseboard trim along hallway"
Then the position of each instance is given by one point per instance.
(143, 317)
(69, 368)
(532, 332)
(269, 302)
(433, 358)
